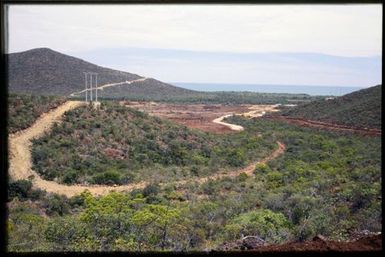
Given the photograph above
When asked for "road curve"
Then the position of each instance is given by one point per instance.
(20, 159)
(256, 111)
(229, 125)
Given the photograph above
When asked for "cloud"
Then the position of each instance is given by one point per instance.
(217, 43)
(350, 30)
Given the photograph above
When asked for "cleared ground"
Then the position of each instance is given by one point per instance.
(201, 116)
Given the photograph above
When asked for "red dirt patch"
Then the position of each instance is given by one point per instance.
(318, 244)
(196, 116)
(370, 243)
(114, 153)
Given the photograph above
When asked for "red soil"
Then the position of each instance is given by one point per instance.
(369, 243)
(197, 116)
(318, 244)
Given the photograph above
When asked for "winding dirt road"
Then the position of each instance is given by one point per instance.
(249, 169)
(255, 112)
(325, 125)
(20, 159)
(111, 85)
(229, 125)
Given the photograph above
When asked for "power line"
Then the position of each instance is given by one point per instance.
(91, 84)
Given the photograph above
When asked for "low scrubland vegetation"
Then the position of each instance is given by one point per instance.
(141, 91)
(358, 109)
(23, 110)
(120, 145)
(325, 183)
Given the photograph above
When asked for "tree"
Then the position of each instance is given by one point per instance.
(271, 226)
(153, 223)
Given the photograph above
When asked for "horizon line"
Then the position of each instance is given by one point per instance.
(267, 84)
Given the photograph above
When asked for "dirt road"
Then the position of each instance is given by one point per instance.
(20, 159)
(111, 85)
(248, 169)
(255, 112)
(205, 117)
(229, 125)
(325, 125)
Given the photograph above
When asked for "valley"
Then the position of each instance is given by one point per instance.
(21, 161)
(155, 167)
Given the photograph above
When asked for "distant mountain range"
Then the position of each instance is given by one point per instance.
(43, 71)
(358, 109)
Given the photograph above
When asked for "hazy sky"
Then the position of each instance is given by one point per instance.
(216, 38)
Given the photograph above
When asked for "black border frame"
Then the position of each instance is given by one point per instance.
(4, 113)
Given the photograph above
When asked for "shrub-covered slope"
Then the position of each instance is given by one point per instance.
(153, 90)
(325, 183)
(43, 71)
(47, 72)
(23, 110)
(149, 89)
(359, 109)
(118, 145)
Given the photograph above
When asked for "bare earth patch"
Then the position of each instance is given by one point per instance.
(206, 117)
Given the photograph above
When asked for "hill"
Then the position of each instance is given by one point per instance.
(360, 109)
(324, 183)
(119, 145)
(42, 71)
(149, 89)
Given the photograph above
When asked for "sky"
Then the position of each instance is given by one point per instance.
(254, 44)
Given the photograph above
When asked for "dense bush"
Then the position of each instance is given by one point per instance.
(119, 145)
(270, 226)
(23, 110)
(325, 183)
(19, 188)
(143, 91)
(22, 189)
(358, 109)
(56, 205)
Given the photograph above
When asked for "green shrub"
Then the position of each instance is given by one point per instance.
(151, 190)
(271, 226)
(56, 204)
(262, 168)
(70, 177)
(20, 189)
(108, 178)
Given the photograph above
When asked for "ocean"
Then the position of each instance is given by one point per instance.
(293, 89)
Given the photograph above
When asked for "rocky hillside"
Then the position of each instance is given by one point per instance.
(358, 109)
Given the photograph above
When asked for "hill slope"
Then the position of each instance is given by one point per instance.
(149, 89)
(124, 141)
(23, 110)
(358, 109)
(47, 72)
(42, 71)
